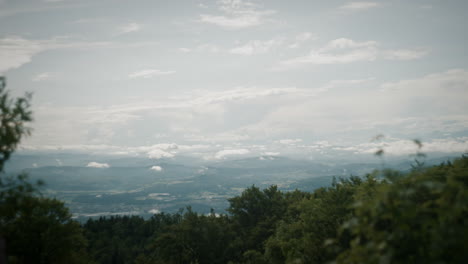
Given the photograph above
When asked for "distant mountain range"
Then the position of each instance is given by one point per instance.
(136, 185)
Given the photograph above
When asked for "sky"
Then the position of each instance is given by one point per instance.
(238, 78)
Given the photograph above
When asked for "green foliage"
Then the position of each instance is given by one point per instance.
(300, 239)
(421, 217)
(40, 230)
(196, 239)
(255, 214)
(122, 239)
(14, 114)
(164, 238)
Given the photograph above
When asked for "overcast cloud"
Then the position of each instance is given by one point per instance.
(234, 78)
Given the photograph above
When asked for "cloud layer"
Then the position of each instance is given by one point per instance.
(148, 73)
(345, 51)
(229, 79)
(356, 6)
(237, 14)
(98, 165)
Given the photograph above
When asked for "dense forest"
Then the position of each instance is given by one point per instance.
(389, 217)
(383, 217)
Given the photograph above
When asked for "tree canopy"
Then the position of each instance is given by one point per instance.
(14, 115)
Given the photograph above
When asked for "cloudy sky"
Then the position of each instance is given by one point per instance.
(217, 79)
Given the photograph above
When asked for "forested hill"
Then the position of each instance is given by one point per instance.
(384, 217)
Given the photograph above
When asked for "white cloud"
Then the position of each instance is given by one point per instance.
(231, 152)
(204, 98)
(166, 146)
(16, 51)
(153, 151)
(405, 54)
(154, 211)
(188, 116)
(158, 151)
(271, 153)
(447, 145)
(217, 138)
(434, 95)
(149, 73)
(300, 39)
(343, 51)
(344, 43)
(239, 22)
(45, 76)
(185, 50)
(98, 165)
(208, 48)
(128, 28)
(159, 154)
(289, 141)
(191, 147)
(452, 82)
(156, 168)
(191, 116)
(357, 6)
(241, 93)
(93, 20)
(338, 51)
(408, 147)
(304, 36)
(436, 102)
(237, 14)
(410, 106)
(256, 47)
